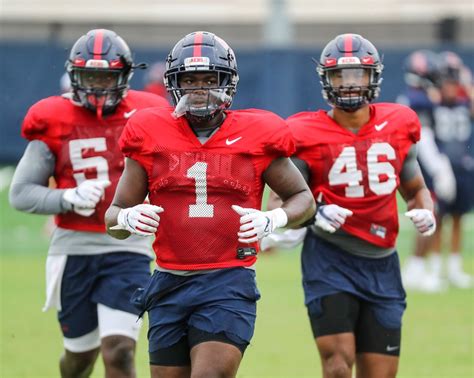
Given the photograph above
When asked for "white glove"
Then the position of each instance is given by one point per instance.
(255, 224)
(444, 181)
(141, 219)
(85, 197)
(424, 221)
(286, 240)
(331, 217)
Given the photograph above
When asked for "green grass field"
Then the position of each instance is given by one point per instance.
(438, 331)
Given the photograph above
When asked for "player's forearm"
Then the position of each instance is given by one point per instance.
(29, 190)
(37, 199)
(111, 221)
(299, 208)
(421, 200)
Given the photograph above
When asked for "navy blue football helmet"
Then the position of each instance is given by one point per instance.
(202, 52)
(355, 53)
(100, 66)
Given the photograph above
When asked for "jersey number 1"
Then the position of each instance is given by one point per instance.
(201, 209)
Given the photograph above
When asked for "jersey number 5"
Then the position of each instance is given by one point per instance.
(344, 171)
(80, 164)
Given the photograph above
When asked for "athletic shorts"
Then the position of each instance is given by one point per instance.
(109, 279)
(222, 302)
(328, 270)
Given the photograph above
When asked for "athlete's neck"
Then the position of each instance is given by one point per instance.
(351, 121)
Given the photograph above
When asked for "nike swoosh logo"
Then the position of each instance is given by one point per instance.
(129, 114)
(392, 348)
(229, 142)
(381, 126)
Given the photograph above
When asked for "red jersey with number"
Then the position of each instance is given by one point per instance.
(196, 184)
(84, 146)
(359, 171)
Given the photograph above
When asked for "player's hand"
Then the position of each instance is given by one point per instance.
(444, 181)
(331, 217)
(286, 240)
(424, 221)
(255, 224)
(86, 196)
(141, 219)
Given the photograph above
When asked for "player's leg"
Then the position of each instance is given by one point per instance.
(214, 358)
(416, 267)
(80, 364)
(456, 275)
(168, 311)
(378, 330)
(78, 318)
(333, 320)
(119, 332)
(120, 275)
(332, 309)
(378, 346)
(221, 327)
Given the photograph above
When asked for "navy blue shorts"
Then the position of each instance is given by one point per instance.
(464, 200)
(220, 302)
(109, 279)
(328, 270)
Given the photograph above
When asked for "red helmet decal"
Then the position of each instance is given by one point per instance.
(197, 44)
(116, 64)
(79, 62)
(99, 39)
(367, 60)
(330, 62)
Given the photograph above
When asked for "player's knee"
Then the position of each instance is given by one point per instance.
(118, 354)
(337, 365)
(213, 372)
(77, 364)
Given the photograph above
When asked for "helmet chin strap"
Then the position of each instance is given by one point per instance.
(98, 103)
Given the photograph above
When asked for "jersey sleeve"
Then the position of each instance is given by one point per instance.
(35, 126)
(296, 127)
(281, 142)
(133, 142)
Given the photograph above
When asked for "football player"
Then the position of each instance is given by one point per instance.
(204, 168)
(355, 158)
(454, 136)
(74, 138)
(422, 76)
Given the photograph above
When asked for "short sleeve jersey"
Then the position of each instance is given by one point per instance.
(196, 184)
(359, 171)
(84, 146)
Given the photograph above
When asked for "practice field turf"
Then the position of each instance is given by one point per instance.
(438, 331)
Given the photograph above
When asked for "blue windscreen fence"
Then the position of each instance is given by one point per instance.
(283, 81)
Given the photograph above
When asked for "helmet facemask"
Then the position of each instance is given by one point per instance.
(200, 56)
(99, 90)
(350, 88)
(203, 102)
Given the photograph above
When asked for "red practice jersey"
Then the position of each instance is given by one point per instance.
(196, 184)
(359, 171)
(84, 146)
